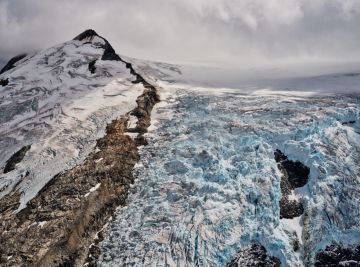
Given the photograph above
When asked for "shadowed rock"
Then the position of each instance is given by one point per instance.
(92, 67)
(348, 122)
(295, 174)
(254, 256)
(109, 52)
(11, 63)
(86, 34)
(336, 255)
(16, 158)
(4, 82)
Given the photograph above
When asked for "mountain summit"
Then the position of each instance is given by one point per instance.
(89, 33)
(72, 117)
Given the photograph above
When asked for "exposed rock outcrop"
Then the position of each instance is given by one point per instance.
(109, 52)
(16, 158)
(62, 221)
(89, 33)
(59, 224)
(254, 256)
(11, 63)
(4, 82)
(337, 255)
(92, 67)
(295, 174)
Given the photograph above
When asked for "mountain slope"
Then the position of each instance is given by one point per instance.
(66, 156)
(53, 97)
(237, 167)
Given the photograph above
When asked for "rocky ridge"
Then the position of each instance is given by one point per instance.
(61, 225)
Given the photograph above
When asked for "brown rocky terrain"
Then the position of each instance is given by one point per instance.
(58, 227)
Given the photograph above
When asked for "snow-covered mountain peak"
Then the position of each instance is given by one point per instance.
(88, 34)
(72, 118)
(59, 101)
(86, 47)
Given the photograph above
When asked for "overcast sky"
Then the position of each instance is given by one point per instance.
(235, 31)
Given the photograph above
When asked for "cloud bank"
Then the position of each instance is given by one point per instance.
(233, 31)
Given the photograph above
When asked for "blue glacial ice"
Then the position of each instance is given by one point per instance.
(207, 184)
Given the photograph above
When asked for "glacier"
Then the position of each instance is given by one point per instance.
(208, 185)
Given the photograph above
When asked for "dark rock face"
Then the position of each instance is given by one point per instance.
(254, 256)
(290, 208)
(86, 34)
(336, 255)
(92, 67)
(4, 82)
(348, 122)
(16, 158)
(295, 174)
(12, 62)
(298, 173)
(109, 52)
(145, 104)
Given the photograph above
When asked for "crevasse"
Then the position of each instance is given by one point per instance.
(207, 184)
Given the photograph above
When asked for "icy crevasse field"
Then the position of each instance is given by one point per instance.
(207, 185)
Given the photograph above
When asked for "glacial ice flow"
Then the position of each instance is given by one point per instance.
(207, 184)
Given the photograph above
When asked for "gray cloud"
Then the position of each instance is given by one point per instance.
(235, 31)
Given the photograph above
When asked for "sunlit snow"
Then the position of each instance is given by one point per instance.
(54, 103)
